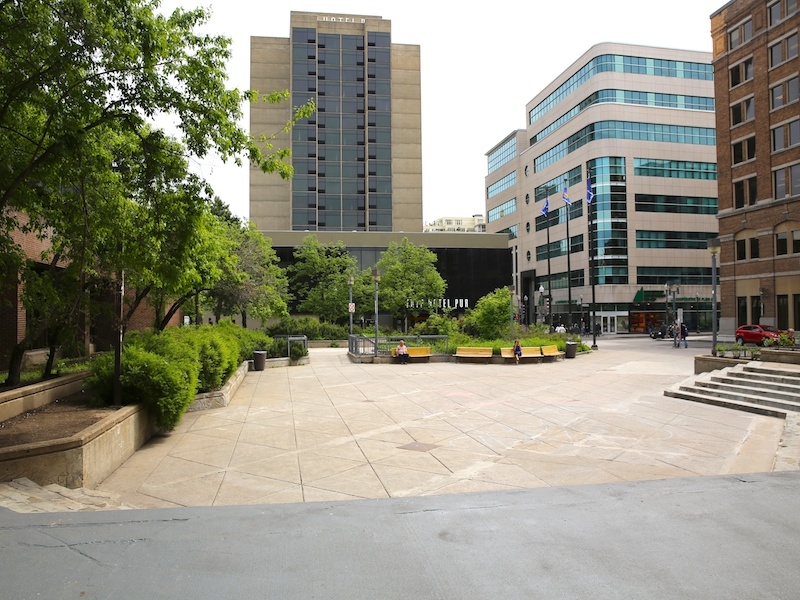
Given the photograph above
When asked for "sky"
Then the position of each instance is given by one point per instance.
(480, 66)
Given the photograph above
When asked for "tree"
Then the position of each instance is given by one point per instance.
(409, 279)
(318, 278)
(83, 80)
(491, 317)
(255, 283)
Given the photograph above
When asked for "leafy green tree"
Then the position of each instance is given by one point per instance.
(253, 283)
(491, 317)
(318, 279)
(82, 166)
(408, 279)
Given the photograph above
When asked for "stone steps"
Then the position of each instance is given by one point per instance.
(753, 387)
(25, 496)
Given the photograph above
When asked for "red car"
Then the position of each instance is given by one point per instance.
(756, 334)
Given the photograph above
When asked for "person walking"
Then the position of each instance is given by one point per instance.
(685, 335)
(402, 352)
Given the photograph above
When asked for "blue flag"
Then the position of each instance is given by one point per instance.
(546, 206)
(565, 196)
(589, 192)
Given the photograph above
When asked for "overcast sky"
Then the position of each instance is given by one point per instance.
(480, 66)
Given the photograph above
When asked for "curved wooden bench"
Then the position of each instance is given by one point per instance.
(552, 353)
(529, 354)
(472, 353)
(423, 352)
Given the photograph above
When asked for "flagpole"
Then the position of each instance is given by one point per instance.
(569, 278)
(592, 257)
(545, 212)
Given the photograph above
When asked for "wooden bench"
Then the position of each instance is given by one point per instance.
(473, 354)
(529, 354)
(422, 352)
(552, 353)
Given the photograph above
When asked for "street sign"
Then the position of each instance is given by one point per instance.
(351, 307)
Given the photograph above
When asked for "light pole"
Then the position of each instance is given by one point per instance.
(581, 326)
(376, 277)
(566, 199)
(697, 312)
(525, 310)
(350, 308)
(511, 308)
(541, 298)
(713, 247)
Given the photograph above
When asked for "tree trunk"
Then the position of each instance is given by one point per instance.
(15, 362)
(51, 359)
(244, 319)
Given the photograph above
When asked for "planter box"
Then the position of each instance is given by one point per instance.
(84, 459)
(22, 399)
(705, 363)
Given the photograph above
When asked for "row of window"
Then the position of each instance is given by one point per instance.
(785, 182)
(781, 10)
(784, 50)
(777, 12)
(785, 92)
(786, 242)
(336, 202)
(556, 184)
(743, 150)
(505, 209)
(621, 64)
(677, 169)
(501, 155)
(628, 97)
(308, 35)
(743, 110)
(786, 135)
(648, 132)
(506, 182)
(339, 221)
(692, 205)
(674, 240)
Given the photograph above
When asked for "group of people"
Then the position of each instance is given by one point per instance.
(680, 332)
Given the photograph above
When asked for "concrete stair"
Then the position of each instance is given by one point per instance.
(25, 496)
(770, 389)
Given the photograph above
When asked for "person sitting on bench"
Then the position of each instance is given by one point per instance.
(402, 353)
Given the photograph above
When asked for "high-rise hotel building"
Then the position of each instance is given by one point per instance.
(640, 122)
(358, 160)
(757, 75)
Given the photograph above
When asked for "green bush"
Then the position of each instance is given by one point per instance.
(298, 351)
(163, 386)
(311, 327)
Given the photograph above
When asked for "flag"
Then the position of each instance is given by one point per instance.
(589, 192)
(546, 206)
(565, 196)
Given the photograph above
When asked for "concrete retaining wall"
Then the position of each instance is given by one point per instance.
(82, 460)
(17, 401)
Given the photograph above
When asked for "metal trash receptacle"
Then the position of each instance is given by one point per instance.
(572, 348)
(259, 360)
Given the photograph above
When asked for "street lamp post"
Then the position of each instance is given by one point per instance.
(376, 277)
(525, 310)
(541, 296)
(697, 312)
(713, 248)
(511, 308)
(350, 308)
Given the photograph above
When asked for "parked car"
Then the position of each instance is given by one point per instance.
(756, 334)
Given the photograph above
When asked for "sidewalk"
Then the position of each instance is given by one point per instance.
(333, 430)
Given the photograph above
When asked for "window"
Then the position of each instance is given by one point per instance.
(754, 253)
(795, 242)
(781, 243)
(741, 72)
(784, 93)
(744, 150)
(740, 34)
(743, 111)
(741, 249)
(786, 135)
(786, 181)
(780, 10)
(744, 192)
(784, 50)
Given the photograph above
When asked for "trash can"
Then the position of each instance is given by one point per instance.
(572, 348)
(259, 360)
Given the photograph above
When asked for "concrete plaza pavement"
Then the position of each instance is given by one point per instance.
(581, 435)
(334, 430)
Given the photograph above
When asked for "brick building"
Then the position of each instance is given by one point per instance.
(757, 89)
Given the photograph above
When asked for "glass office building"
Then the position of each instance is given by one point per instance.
(640, 123)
